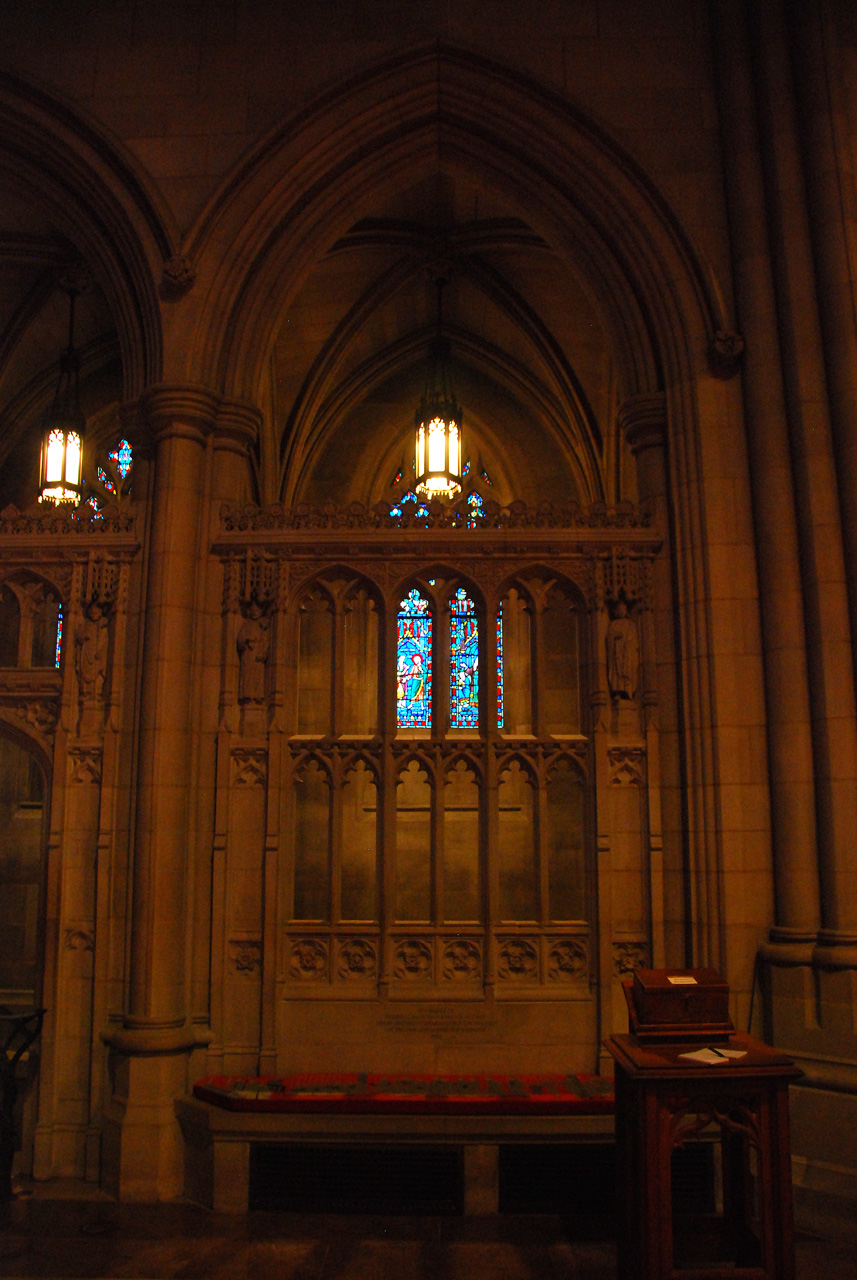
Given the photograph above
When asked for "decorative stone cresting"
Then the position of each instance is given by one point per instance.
(45, 518)
(439, 515)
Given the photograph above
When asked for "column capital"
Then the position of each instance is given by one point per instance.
(172, 410)
(642, 419)
(237, 426)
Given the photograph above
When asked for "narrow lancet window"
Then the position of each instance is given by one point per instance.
(413, 663)
(463, 662)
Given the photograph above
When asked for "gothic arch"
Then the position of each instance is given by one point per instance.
(301, 188)
(99, 197)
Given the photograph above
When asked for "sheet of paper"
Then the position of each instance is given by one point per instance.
(709, 1056)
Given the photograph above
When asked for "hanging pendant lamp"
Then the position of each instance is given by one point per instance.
(60, 471)
(438, 422)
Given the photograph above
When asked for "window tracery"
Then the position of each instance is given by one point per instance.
(418, 790)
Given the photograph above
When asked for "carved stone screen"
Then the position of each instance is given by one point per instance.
(21, 846)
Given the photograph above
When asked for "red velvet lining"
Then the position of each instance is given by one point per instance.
(403, 1094)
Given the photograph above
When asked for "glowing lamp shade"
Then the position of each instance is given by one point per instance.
(60, 471)
(438, 454)
(61, 479)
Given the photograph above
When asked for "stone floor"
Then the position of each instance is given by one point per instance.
(72, 1236)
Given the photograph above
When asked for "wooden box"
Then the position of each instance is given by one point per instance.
(679, 1006)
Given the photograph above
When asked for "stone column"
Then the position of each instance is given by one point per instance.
(790, 754)
(642, 421)
(831, 210)
(143, 1153)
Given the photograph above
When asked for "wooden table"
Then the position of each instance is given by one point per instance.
(662, 1101)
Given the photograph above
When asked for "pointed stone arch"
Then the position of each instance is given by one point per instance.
(98, 196)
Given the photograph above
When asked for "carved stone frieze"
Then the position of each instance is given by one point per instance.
(249, 766)
(84, 764)
(358, 958)
(628, 956)
(462, 959)
(412, 959)
(40, 714)
(436, 515)
(46, 518)
(308, 959)
(518, 960)
(245, 956)
(627, 766)
(568, 960)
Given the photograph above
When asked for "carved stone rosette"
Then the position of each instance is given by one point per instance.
(308, 959)
(462, 960)
(568, 960)
(358, 958)
(413, 959)
(245, 956)
(628, 956)
(518, 960)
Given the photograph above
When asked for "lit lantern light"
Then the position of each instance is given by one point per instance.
(61, 471)
(438, 424)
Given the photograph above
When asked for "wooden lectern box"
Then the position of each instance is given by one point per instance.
(678, 1006)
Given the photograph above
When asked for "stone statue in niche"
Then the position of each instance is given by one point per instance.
(254, 645)
(623, 653)
(91, 642)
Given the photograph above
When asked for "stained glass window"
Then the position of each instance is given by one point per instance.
(105, 479)
(500, 668)
(121, 456)
(413, 663)
(463, 663)
(59, 635)
(475, 504)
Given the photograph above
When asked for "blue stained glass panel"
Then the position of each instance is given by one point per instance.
(500, 669)
(105, 479)
(122, 457)
(59, 635)
(413, 663)
(463, 663)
